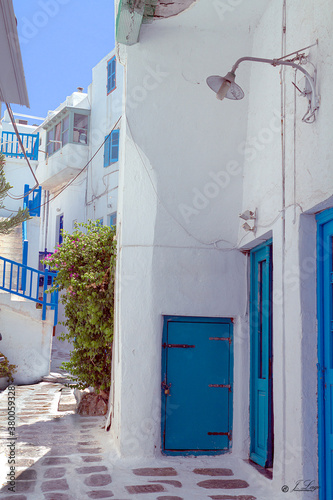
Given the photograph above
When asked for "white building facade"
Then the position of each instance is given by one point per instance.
(79, 157)
(80, 148)
(74, 154)
(210, 314)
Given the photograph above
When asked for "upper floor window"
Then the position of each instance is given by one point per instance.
(111, 79)
(111, 148)
(65, 130)
(57, 136)
(72, 128)
(80, 129)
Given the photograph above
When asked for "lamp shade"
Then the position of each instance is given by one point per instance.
(224, 86)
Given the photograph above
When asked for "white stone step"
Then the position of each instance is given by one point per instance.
(11, 244)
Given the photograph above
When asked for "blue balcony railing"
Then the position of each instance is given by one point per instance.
(32, 200)
(35, 286)
(10, 146)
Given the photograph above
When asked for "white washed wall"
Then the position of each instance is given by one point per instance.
(26, 339)
(179, 199)
(308, 189)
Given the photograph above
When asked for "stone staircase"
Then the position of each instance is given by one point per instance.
(11, 248)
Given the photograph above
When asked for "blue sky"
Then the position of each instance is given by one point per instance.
(61, 41)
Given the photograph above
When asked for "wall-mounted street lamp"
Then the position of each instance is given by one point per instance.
(226, 87)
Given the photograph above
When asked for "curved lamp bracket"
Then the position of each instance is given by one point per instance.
(226, 86)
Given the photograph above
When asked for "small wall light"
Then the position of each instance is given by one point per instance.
(226, 87)
(248, 214)
(250, 217)
(247, 227)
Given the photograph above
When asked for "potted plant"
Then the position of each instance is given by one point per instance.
(6, 372)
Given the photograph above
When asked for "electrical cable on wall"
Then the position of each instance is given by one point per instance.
(78, 174)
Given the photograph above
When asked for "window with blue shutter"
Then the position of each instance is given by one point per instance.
(111, 81)
(111, 148)
(114, 152)
(113, 219)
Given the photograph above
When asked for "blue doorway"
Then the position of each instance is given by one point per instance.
(325, 351)
(261, 377)
(197, 367)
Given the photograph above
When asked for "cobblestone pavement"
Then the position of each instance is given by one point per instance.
(60, 455)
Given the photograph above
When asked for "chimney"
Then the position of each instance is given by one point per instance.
(80, 89)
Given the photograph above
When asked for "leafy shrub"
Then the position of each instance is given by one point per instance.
(6, 369)
(85, 262)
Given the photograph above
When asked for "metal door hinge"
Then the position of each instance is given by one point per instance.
(226, 386)
(229, 339)
(229, 434)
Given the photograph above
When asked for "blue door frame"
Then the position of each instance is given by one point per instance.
(325, 351)
(197, 370)
(61, 227)
(261, 379)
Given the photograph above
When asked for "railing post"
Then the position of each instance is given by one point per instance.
(24, 269)
(55, 302)
(35, 148)
(46, 275)
(25, 241)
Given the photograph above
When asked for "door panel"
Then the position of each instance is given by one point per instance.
(261, 410)
(325, 354)
(197, 368)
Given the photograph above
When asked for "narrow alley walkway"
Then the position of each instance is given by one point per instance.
(59, 455)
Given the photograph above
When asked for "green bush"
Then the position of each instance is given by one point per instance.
(85, 262)
(6, 369)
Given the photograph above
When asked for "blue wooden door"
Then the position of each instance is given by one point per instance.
(261, 409)
(196, 385)
(325, 353)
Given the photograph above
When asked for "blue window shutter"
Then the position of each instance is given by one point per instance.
(111, 84)
(114, 146)
(113, 219)
(109, 76)
(107, 151)
(113, 73)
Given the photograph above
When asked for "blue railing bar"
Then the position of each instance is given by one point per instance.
(4, 273)
(24, 262)
(30, 291)
(11, 275)
(37, 287)
(17, 279)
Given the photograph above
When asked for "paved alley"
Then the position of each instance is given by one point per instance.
(59, 455)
